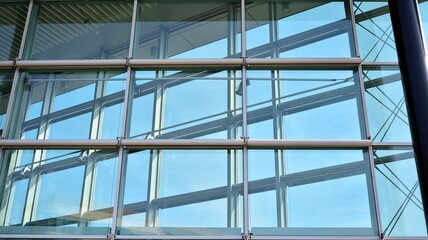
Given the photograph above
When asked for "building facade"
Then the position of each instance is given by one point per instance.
(204, 119)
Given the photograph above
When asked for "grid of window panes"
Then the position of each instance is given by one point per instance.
(183, 131)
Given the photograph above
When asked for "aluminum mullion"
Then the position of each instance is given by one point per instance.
(375, 191)
(361, 104)
(118, 192)
(51, 236)
(7, 64)
(232, 128)
(228, 63)
(245, 188)
(26, 27)
(62, 64)
(181, 237)
(354, 29)
(133, 30)
(193, 144)
(312, 62)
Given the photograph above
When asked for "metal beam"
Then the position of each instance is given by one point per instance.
(413, 64)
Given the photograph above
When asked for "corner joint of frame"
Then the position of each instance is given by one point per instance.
(111, 236)
(246, 236)
(119, 141)
(244, 61)
(128, 61)
(15, 61)
(245, 140)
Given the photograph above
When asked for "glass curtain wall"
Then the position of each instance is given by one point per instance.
(217, 119)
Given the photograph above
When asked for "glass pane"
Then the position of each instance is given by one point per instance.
(387, 111)
(184, 104)
(81, 30)
(294, 29)
(311, 192)
(186, 192)
(12, 21)
(400, 200)
(423, 11)
(205, 214)
(167, 29)
(304, 104)
(374, 30)
(59, 195)
(6, 78)
(71, 105)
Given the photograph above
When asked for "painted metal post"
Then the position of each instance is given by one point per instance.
(413, 64)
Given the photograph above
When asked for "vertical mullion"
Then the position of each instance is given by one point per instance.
(96, 122)
(376, 218)
(26, 27)
(232, 168)
(127, 106)
(349, 11)
(362, 104)
(156, 155)
(245, 191)
(277, 127)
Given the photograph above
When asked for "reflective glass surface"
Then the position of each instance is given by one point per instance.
(309, 192)
(400, 201)
(80, 30)
(53, 194)
(386, 105)
(12, 21)
(170, 189)
(70, 105)
(374, 30)
(423, 11)
(296, 29)
(6, 78)
(186, 104)
(187, 29)
(304, 104)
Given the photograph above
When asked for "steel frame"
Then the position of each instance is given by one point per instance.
(239, 61)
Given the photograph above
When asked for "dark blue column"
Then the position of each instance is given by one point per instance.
(411, 57)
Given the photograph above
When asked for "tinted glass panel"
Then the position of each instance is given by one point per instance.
(63, 194)
(310, 192)
(297, 29)
(386, 105)
(304, 104)
(12, 21)
(186, 104)
(71, 105)
(400, 201)
(374, 30)
(168, 29)
(81, 30)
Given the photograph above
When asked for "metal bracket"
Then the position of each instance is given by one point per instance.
(111, 236)
(246, 236)
(244, 61)
(245, 140)
(119, 141)
(15, 60)
(128, 61)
